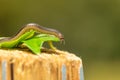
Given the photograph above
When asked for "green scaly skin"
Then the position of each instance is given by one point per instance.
(14, 43)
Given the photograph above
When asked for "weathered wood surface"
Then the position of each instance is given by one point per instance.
(49, 65)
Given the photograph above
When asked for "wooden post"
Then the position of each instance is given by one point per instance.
(49, 65)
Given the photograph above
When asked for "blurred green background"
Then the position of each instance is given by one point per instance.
(91, 29)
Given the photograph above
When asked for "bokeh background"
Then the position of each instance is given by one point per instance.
(91, 29)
